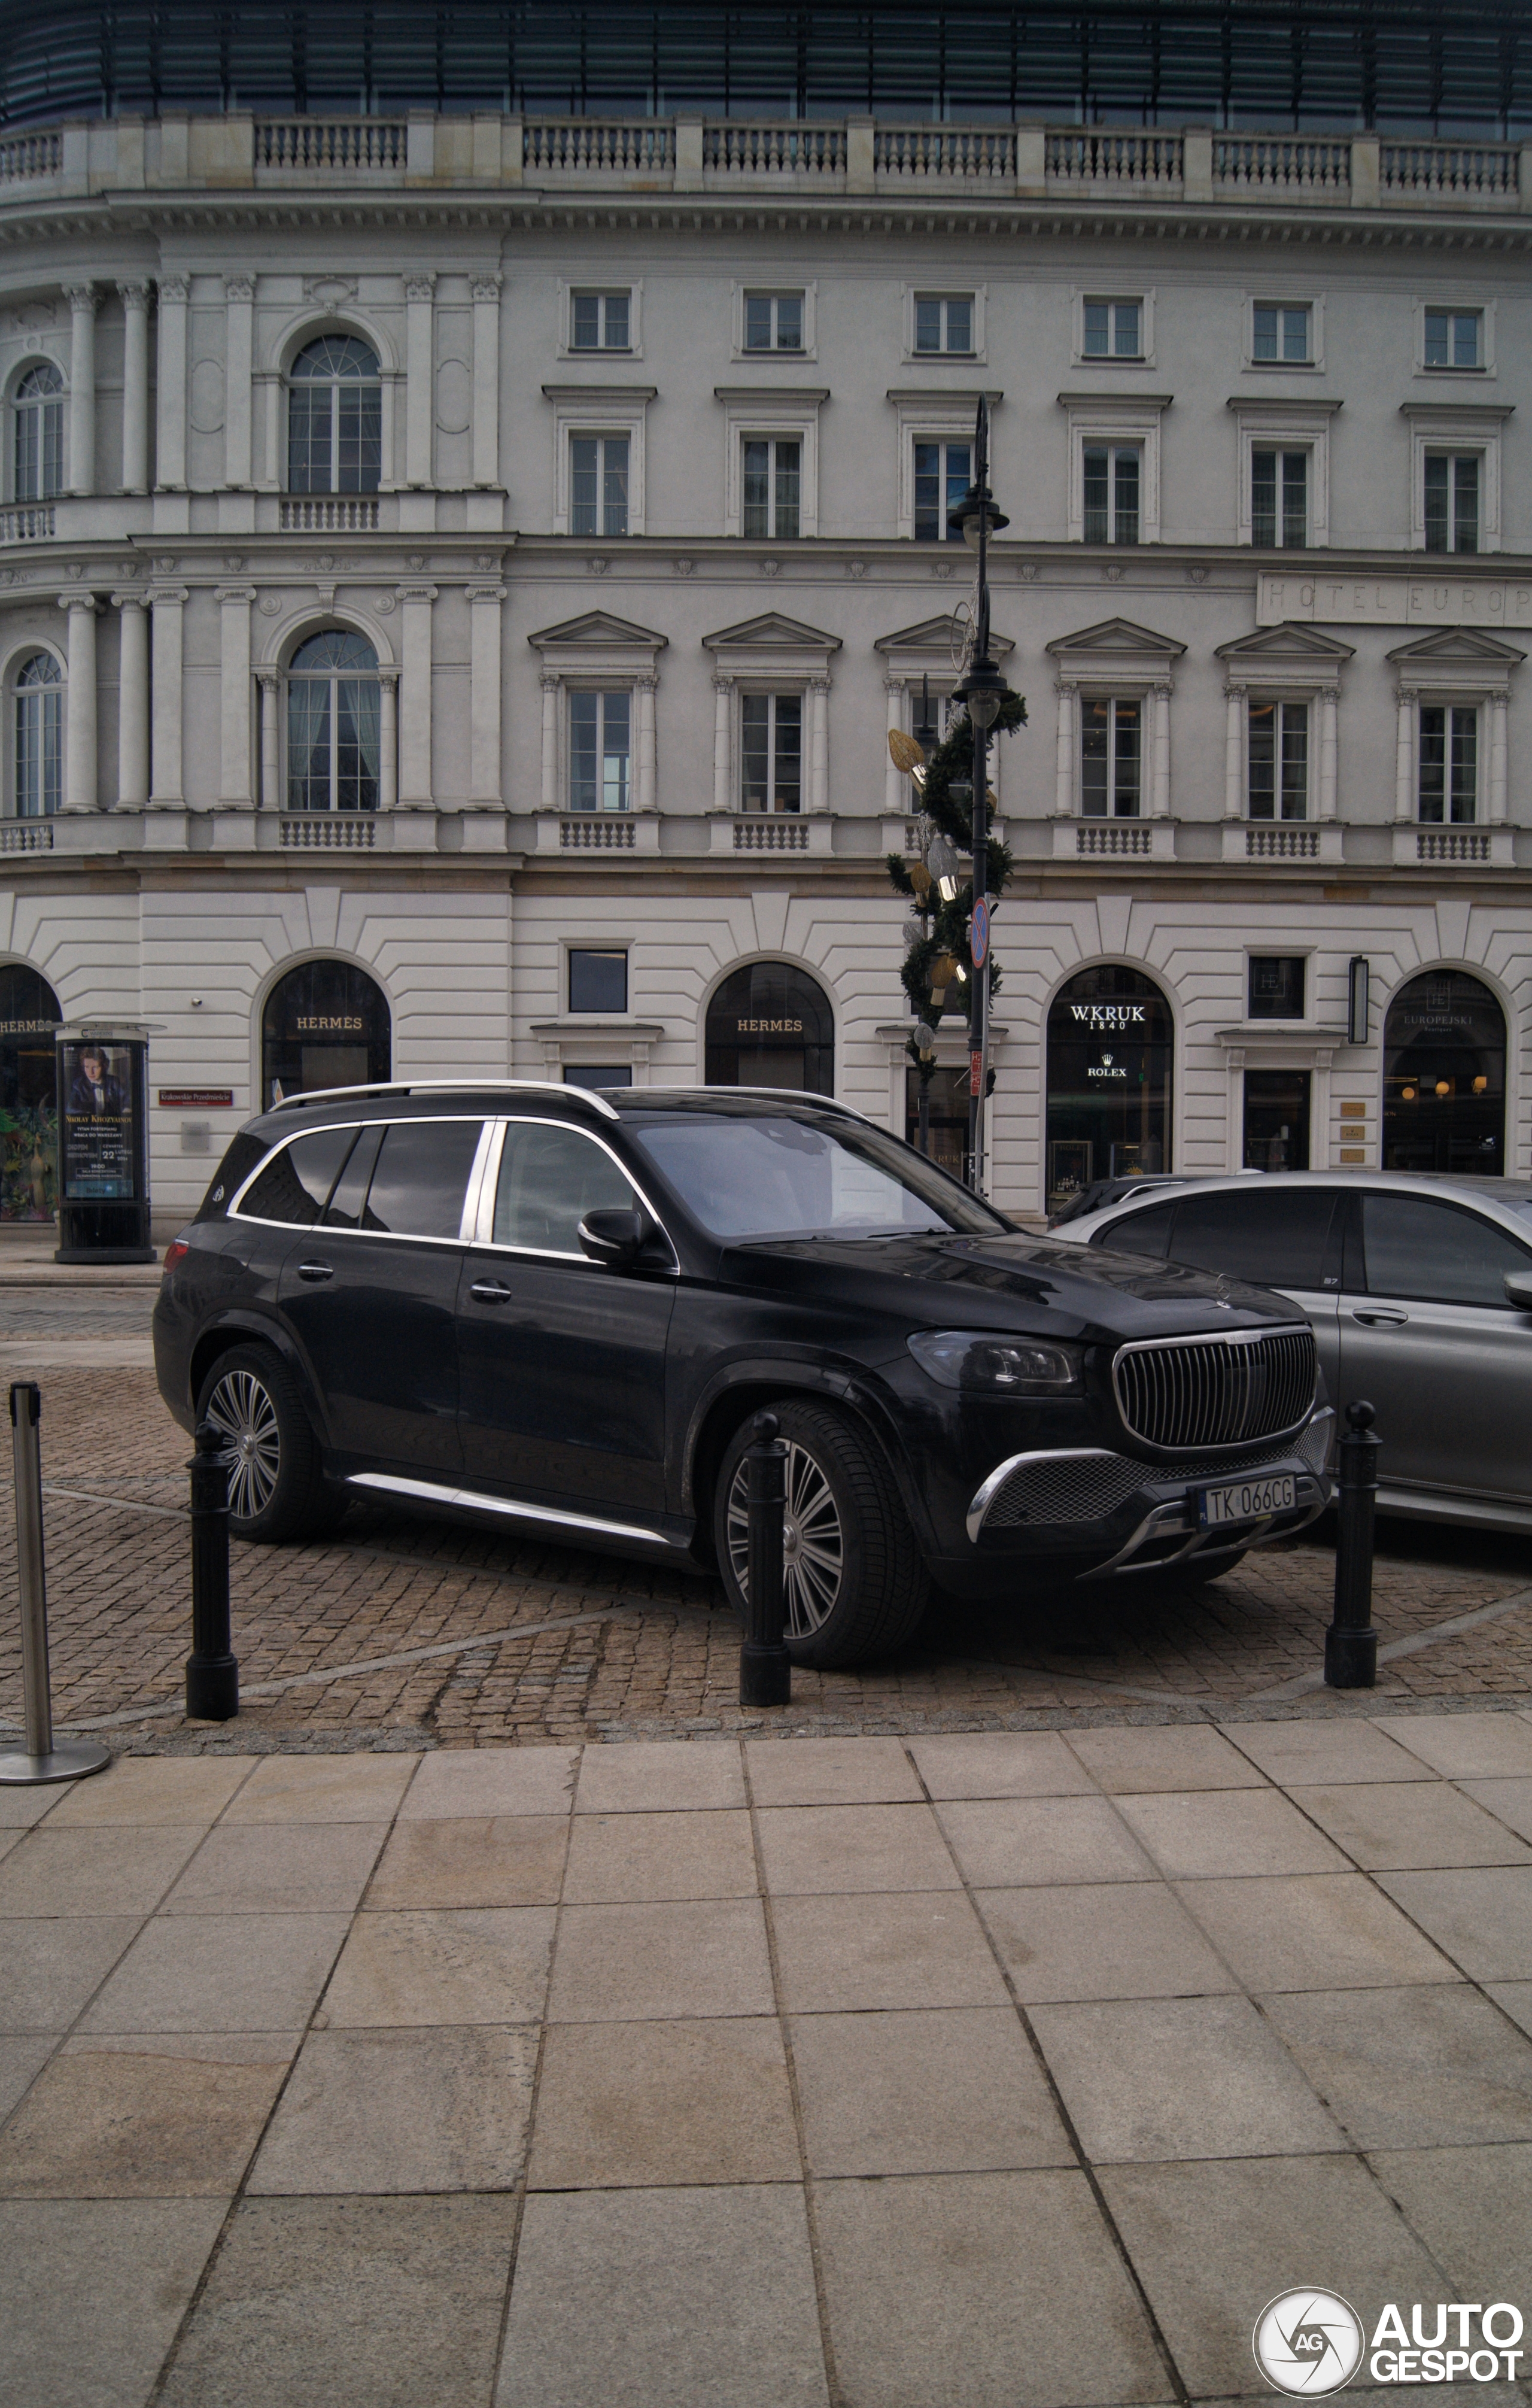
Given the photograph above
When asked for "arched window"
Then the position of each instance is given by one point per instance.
(29, 1129)
(1445, 1077)
(335, 417)
(333, 707)
(1109, 1047)
(771, 1025)
(37, 736)
(37, 417)
(325, 1024)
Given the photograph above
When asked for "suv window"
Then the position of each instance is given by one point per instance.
(421, 1178)
(1276, 1237)
(550, 1179)
(295, 1182)
(1437, 1254)
(1140, 1233)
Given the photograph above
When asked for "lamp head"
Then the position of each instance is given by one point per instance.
(982, 692)
(973, 510)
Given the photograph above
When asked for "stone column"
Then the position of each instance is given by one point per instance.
(819, 744)
(420, 399)
(234, 783)
(271, 758)
(1234, 751)
(171, 446)
(238, 301)
(899, 794)
(1498, 765)
(723, 800)
(388, 740)
(132, 701)
(1160, 804)
(645, 765)
(1064, 762)
(79, 761)
(83, 300)
(415, 695)
(169, 603)
(486, 378)
(1329, 754)
(484, 683)
(548, 791)
(135, 299)
(1404, 754)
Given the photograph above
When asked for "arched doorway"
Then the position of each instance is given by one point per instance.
(771, 1025)
(29, 1125)
(325, 1024)
(1110, 1045)
(1445, 1077)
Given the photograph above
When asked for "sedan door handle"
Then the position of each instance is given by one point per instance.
(490, 1292)
(1382, 1320)
(316, 1271)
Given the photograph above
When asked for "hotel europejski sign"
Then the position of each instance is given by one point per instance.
(1428, 601)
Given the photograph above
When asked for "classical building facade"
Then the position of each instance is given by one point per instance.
(458, 568)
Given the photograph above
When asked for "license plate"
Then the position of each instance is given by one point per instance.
(1245, 1500)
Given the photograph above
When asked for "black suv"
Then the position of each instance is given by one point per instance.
(559, 1308)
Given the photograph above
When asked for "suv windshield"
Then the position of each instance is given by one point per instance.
(780, 1176)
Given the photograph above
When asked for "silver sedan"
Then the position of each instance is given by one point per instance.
(1420, 1291)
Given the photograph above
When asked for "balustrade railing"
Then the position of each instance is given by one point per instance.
(1257, 164)
(588, 146)
(963, 154)
(27, 836)
(599, 833)
(1456, 171)
(322, 832)
(306, 143)
(27, 522)
(1146, 162)
(328, 514)
(30, 154)
(791, 149)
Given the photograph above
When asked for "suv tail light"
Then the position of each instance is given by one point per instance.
(177, 1252)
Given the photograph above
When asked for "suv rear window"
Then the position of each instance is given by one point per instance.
(295, 1182)
(236, 1168)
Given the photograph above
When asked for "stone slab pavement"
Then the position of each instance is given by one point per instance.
(1008, 2069)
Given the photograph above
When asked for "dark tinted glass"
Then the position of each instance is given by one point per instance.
(421, 1178)
(295, 1184)
(1276, 986)
(1142, 1233)
(1274, 1236)
(1437, 1254)
(349, 1193)
(236, 1165)
(598, 981)
(550, 1179)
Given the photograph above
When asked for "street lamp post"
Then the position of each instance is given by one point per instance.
(981, 692)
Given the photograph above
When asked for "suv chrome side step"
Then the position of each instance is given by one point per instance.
(430, 1492)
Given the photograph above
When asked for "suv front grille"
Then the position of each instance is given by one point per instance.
(1201, 1392)
(1087, 1487)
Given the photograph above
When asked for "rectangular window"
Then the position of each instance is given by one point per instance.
(1114, 330)
(1110, 754)
(774, 322)
(1452, 501)
(1279, 760)
(944, 322)
(773, 480)
(770, 752)
(600, 751)
(1449, 763)
(599, 1074)
(1279, 499)
(1111, 474)
(598, 975)
(943, 473)
(1282, 330)
(1276, 986)
(598, 321)
(1454, 338)
(598, 484)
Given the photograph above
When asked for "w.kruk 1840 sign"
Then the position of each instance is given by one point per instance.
(1430, 600)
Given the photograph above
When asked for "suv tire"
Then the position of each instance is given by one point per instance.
(855, 1584)
(277, 1488)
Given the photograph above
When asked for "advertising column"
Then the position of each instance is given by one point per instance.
(102, 1074)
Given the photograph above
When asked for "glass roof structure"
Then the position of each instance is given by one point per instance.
(1443, 67)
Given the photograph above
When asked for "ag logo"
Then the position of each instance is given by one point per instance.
(1308, 2343)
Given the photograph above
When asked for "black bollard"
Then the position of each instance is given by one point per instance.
(212, 1674)
(766, 1668)
(1351, 1642)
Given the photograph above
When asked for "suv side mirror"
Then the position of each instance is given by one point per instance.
(615, 1235)
(1519, 1289)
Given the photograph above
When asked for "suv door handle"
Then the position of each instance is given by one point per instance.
(490, 1292)
(316, 1271)
(1382, 1320)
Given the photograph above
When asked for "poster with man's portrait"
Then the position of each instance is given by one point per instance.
(99, 1139)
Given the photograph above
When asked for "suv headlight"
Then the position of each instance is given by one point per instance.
(996, 1367)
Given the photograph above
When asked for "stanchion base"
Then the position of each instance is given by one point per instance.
(766, 1675)
(71, 1760)
(1351, 1658)
(212, 1691)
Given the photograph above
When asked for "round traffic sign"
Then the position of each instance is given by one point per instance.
(978, 935)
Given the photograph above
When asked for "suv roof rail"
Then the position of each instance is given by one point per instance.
(447, 1087)
(795, 1094)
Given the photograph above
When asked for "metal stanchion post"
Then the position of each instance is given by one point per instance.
(1351, 1642)
(212, 1674)
(42, 1760)
(766, 1668)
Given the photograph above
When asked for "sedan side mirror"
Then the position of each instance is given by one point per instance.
(1519, 1289)
(614, 1235)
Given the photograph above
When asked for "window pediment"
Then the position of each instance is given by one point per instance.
(1288, 656)
(929, 645)
(598, 644)
(1114, 648)
(771, 643)
(1458, 645)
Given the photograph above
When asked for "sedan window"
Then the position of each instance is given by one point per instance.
(1437, 1254)
(295, 1182)
(1275, 1235)
(780, 1176)
(550, 1179)
(421, 1178)
(1142, 1233)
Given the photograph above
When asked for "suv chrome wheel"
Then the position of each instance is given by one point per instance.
(813, 1541)
(242, 1407)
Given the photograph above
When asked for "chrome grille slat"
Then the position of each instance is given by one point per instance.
(1198, 1393)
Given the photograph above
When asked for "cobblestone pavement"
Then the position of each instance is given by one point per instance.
(404, 1632)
